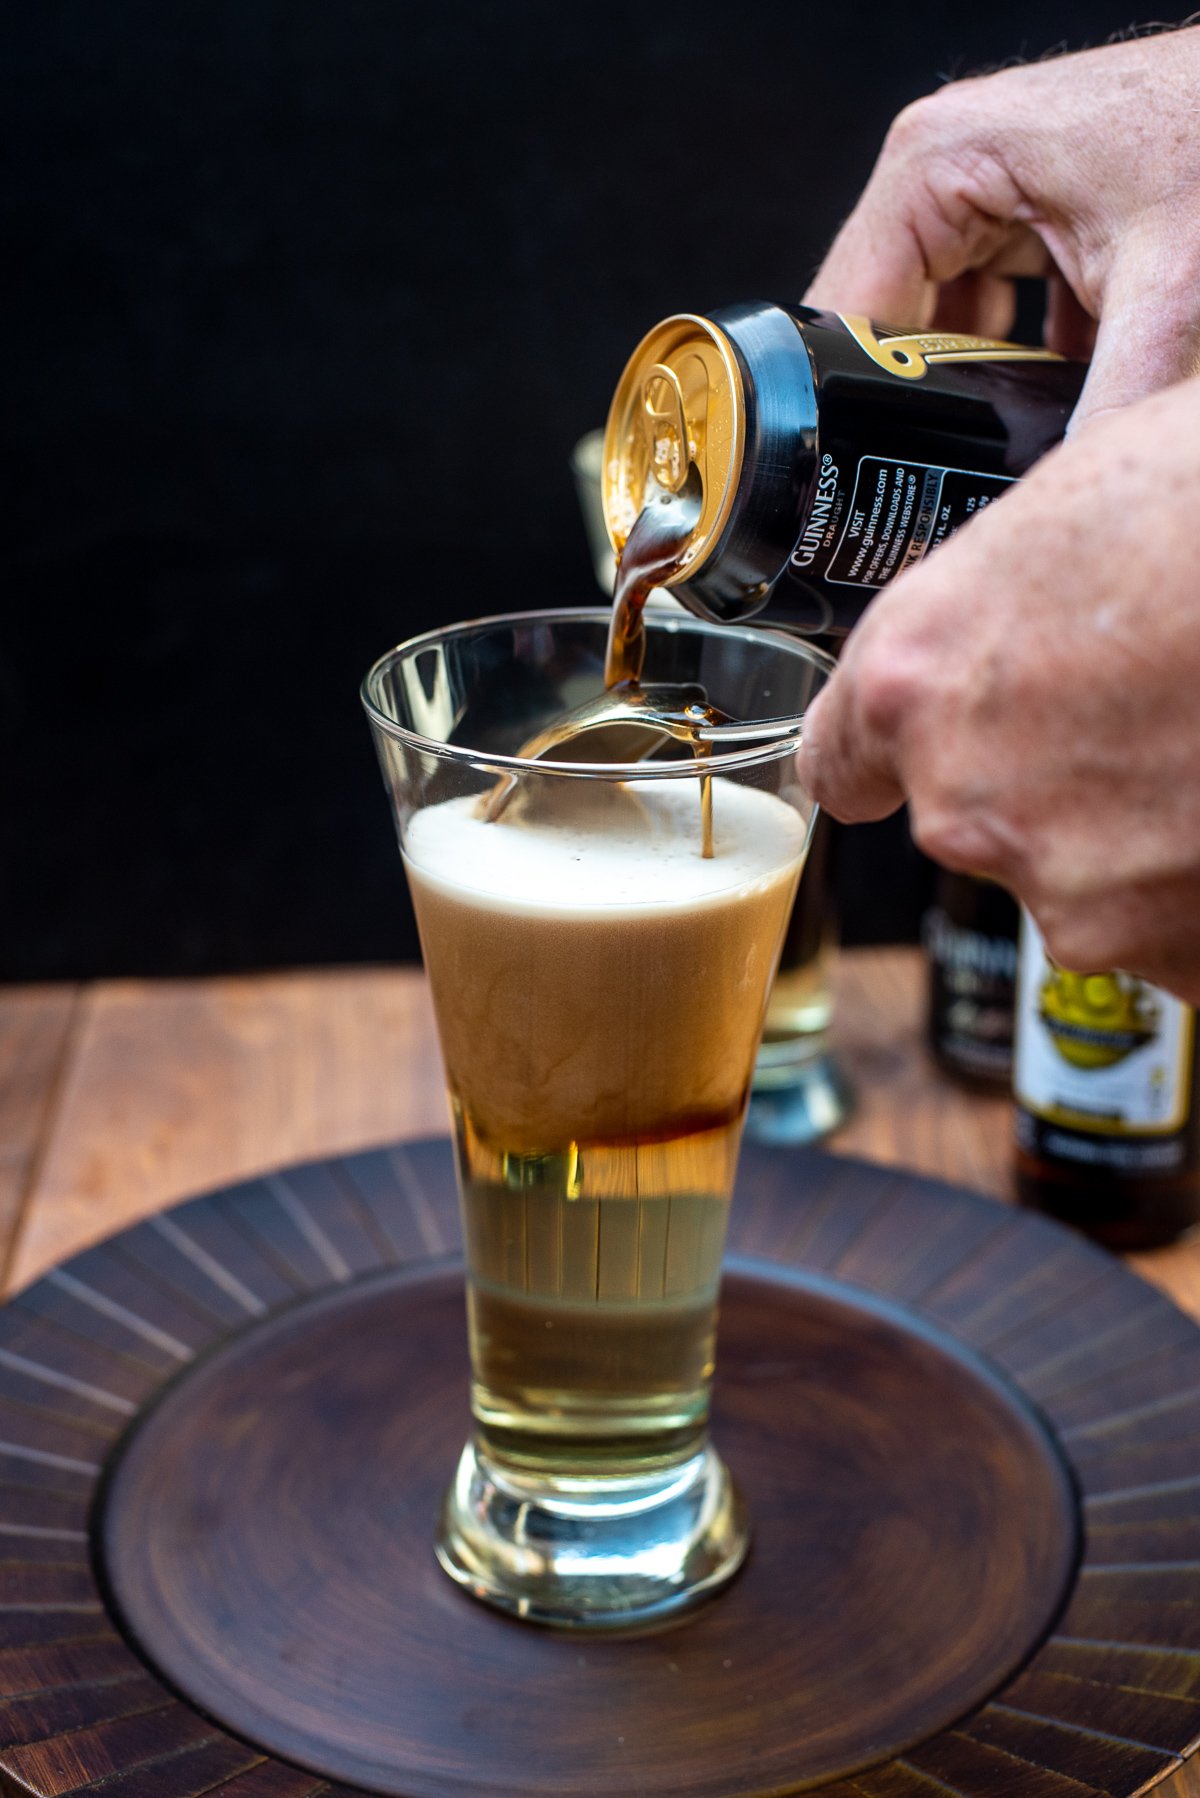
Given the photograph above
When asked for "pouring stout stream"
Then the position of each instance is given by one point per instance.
(769, 441)
(635, 717)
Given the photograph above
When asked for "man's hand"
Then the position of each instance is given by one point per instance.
(1033, 689)
(1086, 170)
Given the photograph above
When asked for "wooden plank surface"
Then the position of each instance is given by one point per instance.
(909, 1114)
(174, 1087)
(124, 1096)
(813, 1401)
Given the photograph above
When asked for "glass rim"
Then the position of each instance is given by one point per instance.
(765, 740)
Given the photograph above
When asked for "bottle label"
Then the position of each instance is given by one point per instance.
(896, 513)
(1104, 1054)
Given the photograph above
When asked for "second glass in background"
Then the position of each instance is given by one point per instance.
(800, 1093)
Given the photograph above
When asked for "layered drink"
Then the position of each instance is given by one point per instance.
(599, 987)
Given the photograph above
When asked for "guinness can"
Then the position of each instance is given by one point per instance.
(820, 454)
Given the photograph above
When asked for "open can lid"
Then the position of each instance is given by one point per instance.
(679, 404)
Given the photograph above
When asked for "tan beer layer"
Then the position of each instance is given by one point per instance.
(595, 977)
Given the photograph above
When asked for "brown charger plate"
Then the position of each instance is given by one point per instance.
(970, 1442)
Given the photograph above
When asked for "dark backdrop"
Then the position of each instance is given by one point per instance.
(309, 303)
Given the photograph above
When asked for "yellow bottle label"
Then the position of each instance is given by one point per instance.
(1105, 1053)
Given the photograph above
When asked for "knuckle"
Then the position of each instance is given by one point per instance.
(887, 693)
(950, 145)
(919, 126)
(936, 120)
(961, 821)
(955, 838)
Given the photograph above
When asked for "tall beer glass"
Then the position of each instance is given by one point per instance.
(599, 986)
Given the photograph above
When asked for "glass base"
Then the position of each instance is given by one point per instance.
(798, 1096)
(592, 1554)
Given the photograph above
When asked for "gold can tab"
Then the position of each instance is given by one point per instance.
(679, 406)
(666, 427)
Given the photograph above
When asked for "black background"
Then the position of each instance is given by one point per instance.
(307, 305)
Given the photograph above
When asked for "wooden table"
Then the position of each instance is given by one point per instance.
(122, 1096)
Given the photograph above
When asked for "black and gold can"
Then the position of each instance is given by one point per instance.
(820, 455)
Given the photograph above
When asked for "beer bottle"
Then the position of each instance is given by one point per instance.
(1106, 1092)
(970, 940)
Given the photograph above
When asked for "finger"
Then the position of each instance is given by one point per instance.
(881, 274)
(848, 768)
(978, 302)
(938, 203)
(1022, 253)
(1151, 932)
(983, 300)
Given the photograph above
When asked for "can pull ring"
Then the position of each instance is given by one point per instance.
(665, 424)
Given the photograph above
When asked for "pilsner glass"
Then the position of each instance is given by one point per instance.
(599, 987)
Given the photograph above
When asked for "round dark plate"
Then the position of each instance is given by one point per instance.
(969, 1440)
